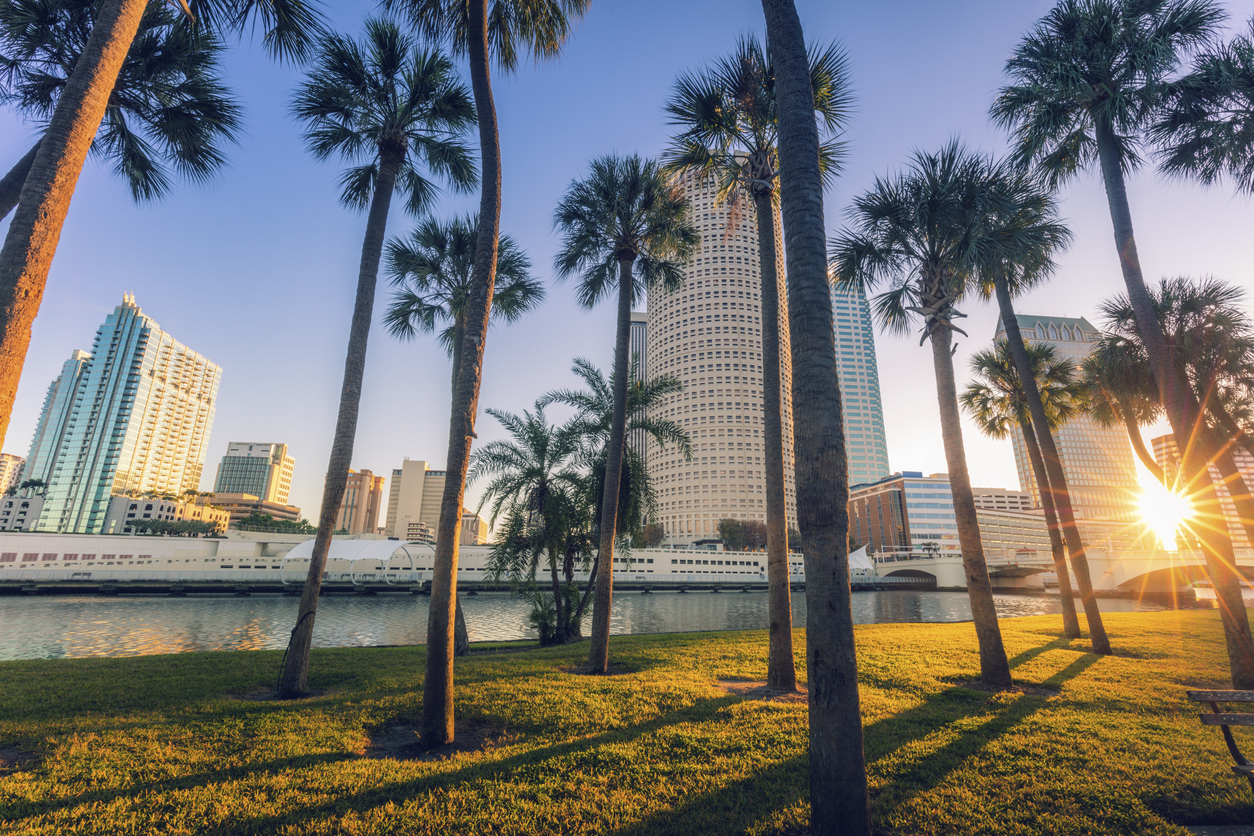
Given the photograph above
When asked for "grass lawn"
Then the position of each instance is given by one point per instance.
(182, 743)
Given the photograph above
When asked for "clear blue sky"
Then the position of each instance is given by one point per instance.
(257, 271)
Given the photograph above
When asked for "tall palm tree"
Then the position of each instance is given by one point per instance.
(1027, 233)
(1207, 129)
(1085, 84)
(998, 404)
(433, 271)
(1122, 392)
(31, 240)
(1200, 325)
(925, 233)
(392, 110)
(539, 488)
(169, 108)
(729, 133)
(625, 230)
(838, 785)
(480, 30)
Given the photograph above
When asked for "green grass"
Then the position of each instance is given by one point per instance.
(171, 744)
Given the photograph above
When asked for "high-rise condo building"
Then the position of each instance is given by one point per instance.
(139, 421)
(261, 469)
(50, 431)
(1096, 460)
(709, 335)
(1167, 454)
(859, 386)
(10, 471)
(359, 509)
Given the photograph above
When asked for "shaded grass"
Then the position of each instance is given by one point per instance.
(179, 744)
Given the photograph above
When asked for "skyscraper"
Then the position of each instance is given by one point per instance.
(139, 421)
(1096, 460)
(359, 509)
(637, 350)
(50, 431)
(709, 335)
(414, 497)
(261, 469)
(859, 376)
(10, 471)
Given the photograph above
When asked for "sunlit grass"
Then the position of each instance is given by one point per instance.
(170, 744)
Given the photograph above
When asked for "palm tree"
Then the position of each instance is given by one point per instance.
(1207, 131)
(479, 31)
(389, 107)
(999, 404)
(1086, 83)
(925, 233)
(838, 785)
(1209, 346)
(625, 229)
(169, 108)
(1122, 392)
(1026, 232)
(433, 270)
(539, 488)
(31, 240)
(729, 133)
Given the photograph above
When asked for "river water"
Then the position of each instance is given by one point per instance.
(33, 627)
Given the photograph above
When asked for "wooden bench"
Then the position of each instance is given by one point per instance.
(1225, 719)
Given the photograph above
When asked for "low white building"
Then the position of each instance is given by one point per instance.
(20, 511)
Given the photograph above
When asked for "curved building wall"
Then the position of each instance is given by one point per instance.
(709, 335)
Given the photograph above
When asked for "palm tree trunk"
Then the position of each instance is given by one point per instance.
(781, 670)
(1070, 621)
(461, 636)
(437, 692)
(35, 229)
(11, 184)
(1195, 452)
(295, 677)
(994, 667)
(838, 785)
(1057, 479)
(559, 602)
(599, 653)
(1137, 442)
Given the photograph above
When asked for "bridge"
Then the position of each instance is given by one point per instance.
(1131, 571)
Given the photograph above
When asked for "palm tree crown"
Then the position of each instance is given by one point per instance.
(168, 110)
(997, 401)
(1093, 66)
(388, 99)
(432, 271)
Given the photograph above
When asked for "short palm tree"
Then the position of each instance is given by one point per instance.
(729, 133)
(481, 30)
(1207, 338)
(1086, 83)
(924, 234)
(1026, 232)
(838, 784)
(398, 113)
(432, 271)
(1207, 129)
(539, 489)
(626, 230)
(169, 108)
(1122, 392)
(31, 241)
(998, 404)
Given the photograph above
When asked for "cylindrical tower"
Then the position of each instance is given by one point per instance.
(709, 335)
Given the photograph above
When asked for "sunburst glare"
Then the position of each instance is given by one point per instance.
(1163, 511)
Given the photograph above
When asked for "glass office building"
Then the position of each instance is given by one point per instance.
(859, 376)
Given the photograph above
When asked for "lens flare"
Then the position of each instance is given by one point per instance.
(1163, 512)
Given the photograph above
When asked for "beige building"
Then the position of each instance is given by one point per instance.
(10, 471)
(474, 531)
(128, 512)
(359, 509)
(1097, 460)
(414, 496)
(241, 505)
(709, 335)
(1002, 499)
(1168, 457)
(259, 468)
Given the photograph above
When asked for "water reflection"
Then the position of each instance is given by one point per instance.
(54, 627)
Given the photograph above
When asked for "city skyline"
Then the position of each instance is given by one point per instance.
(275, 319)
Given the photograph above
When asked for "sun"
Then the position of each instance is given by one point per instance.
(1163, 511)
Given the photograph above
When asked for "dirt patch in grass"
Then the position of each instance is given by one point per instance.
(402, 741)
(757, 689)
(1019, 688)
(13, 759)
